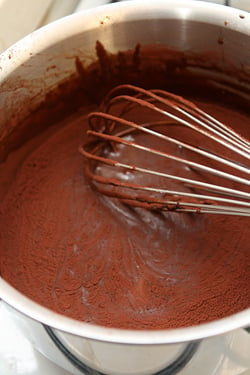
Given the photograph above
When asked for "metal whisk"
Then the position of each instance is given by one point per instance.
(157, 150)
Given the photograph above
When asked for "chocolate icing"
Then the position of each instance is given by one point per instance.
(90, 258)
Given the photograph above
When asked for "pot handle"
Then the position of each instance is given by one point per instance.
(172, 369)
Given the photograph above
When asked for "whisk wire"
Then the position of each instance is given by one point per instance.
(148, 130)
(109, 129)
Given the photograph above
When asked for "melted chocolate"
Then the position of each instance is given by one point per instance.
(94, 259)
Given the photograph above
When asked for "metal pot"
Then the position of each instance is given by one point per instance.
(25, 76)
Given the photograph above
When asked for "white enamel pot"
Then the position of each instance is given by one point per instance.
(25, 76)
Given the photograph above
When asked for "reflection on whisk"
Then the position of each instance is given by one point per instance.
(157, 150)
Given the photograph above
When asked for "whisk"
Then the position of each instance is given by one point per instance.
(175, 157)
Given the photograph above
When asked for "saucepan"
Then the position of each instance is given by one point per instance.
(31, 69)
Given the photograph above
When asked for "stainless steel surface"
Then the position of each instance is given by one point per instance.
(26, 76)
(186, 192)
(19, 357)
(17, 19)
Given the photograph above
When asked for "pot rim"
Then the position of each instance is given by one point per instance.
(56, 32)
(40, 39)
(55, 320)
